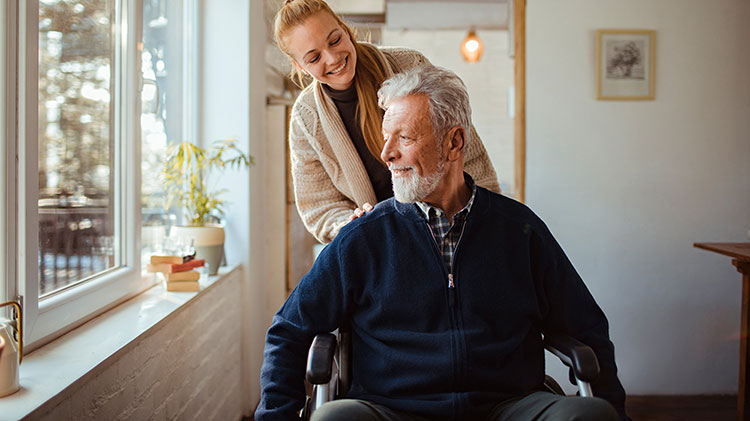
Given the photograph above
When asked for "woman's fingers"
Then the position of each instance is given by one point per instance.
(366, 207)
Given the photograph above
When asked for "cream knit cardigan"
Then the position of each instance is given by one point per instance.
(329, 178)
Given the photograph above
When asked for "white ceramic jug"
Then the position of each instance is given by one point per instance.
(12, 354)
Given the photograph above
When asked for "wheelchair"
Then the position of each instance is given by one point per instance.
(329, 367)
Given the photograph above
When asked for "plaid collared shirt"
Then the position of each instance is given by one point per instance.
(446, 235)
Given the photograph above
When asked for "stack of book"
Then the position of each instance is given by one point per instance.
(180, 276)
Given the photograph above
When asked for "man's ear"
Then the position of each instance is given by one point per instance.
(456, 139)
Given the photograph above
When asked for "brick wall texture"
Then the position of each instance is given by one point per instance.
(187, 367)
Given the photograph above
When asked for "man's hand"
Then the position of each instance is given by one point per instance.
(360, 211)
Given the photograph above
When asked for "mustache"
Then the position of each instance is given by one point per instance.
(393, 167)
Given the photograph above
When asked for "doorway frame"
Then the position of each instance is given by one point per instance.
(519, 132)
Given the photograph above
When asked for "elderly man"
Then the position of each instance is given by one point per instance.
(447, 288)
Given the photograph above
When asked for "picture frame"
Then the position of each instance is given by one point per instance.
(625, 61)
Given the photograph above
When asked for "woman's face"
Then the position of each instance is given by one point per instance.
(323, 49)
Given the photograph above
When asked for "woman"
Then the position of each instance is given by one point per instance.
(335, 135)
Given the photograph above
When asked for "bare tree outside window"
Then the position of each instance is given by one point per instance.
(77, 239)
(76, 143)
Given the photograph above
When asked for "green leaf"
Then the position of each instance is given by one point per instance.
(186, 172)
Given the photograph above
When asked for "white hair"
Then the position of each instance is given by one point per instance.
(446, 95)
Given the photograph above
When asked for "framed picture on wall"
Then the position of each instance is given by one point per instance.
(625, 64)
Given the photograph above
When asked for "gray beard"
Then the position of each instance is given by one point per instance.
(416, 188)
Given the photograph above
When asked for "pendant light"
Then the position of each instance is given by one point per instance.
(471, 47)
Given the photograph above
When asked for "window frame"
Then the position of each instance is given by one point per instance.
(190, 70)
(7, 132)
(49, 317)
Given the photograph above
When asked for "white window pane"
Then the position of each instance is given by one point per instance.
(76, 143)
(162, 100)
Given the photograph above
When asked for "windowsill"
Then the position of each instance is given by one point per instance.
(51, 369)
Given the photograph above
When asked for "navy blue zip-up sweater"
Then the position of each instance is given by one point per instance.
(419, 345)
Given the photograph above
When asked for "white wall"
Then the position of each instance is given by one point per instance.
(450, 14)
(487, 81)
(627, 187)
(233, 104)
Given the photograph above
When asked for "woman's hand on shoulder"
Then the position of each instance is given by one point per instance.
(360, 211)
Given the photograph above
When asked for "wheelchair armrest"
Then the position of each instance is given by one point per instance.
(575, 354)
(320, 359)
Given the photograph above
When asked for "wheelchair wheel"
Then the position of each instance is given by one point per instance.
(552, 386)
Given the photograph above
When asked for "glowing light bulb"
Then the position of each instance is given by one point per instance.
(472, 45)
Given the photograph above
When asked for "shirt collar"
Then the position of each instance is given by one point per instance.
(425, 207)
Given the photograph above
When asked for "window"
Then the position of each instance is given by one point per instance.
(83, 125)
(77, 111)
(168, 90)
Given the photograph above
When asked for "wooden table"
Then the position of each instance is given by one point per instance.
(740, 253)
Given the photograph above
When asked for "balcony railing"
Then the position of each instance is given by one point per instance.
(75, 242)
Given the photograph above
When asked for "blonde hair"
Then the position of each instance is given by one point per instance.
(369, 73)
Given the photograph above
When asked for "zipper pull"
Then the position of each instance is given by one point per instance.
(450, 281)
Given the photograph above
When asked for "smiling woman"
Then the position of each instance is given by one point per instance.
(330, 60)
(335, 132)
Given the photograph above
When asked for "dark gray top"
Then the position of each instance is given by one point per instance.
(346, 102)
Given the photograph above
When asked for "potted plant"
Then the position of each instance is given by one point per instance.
(186, 175)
